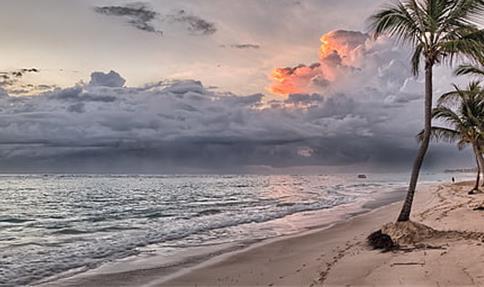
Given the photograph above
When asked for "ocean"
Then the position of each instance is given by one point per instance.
(52, 226)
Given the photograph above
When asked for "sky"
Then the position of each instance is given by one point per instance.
(201, 86)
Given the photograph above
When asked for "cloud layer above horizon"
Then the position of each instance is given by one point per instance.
(368, 117)
(338, 98)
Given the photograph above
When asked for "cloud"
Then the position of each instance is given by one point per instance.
(242, 46)
(13, 82)
(193, 24)
(138, 15)
(346, 59)
(341, 46)
(182, 125)
(78, 94)
(245, 46)
(3, 93)
(111, 79)
(142, 17)
(298, 79)
(14, 75)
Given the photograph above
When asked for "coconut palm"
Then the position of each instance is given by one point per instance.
(477, 71)
(463, 112)
(438, 31)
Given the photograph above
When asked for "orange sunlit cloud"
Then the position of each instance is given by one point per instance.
(292, 80)
(339, 50)
(341, 46)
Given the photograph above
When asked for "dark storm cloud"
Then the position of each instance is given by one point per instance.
(138, 15)
(194, 24)
(304, 98)
(171, 126)
(76, 108)
(78, 94)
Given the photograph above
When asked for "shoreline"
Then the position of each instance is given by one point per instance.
(190, 277)
(161, 273)
(324, 256)
(339, 256)
(264, 243)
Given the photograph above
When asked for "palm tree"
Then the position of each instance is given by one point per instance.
(438, 31)
(477, 71)
(465, 122)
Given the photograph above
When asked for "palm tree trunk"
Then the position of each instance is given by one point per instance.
(478, 177)
(480, 160)
(479, 165)
(424, 145)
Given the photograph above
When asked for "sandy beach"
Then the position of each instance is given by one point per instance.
(340, 256)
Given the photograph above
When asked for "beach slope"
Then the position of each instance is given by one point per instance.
(339, 256)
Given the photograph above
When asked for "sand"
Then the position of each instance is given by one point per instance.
(451, 253)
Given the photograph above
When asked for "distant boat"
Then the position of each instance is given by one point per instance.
(362, 176)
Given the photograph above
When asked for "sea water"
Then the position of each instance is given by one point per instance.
(56, 224)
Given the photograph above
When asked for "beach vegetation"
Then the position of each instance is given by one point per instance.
(462, 110)
(438, 31)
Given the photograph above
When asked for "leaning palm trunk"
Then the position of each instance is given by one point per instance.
(424, 145)
(479, 162)
(478, 177)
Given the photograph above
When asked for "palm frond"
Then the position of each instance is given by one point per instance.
(416, 56)
(470, 47)
(451, 97)
(441, 134)
(464, 12)
(468, 69)
(396, 21)
(465, 119)
(436, 10)
(447, 115)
